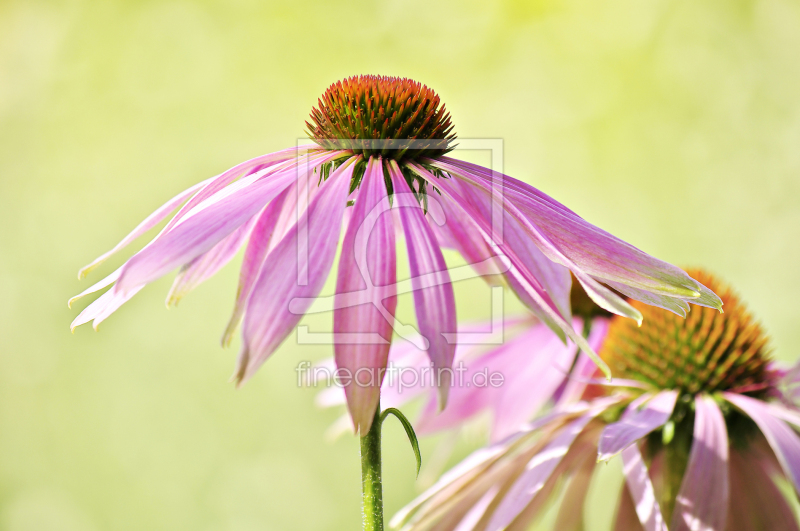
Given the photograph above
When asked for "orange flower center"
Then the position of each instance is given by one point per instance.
(394, 117)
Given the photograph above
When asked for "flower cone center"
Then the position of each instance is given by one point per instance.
(707, 351)
(378, 115)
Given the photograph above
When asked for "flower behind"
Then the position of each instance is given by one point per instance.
(380, 143)
(490, 378)
(701, 426)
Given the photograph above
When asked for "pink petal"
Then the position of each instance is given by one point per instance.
(756, 502)
(149, 222)
(463, 402)
(542, 305)
(100, 309)
(599, 253)
(107, 281)
(584, 368)
(644, 415)
(702, 502)
(433, 294)
(460, 233)
(198, 233)
(247, 172)
(451, 481)
(206, 265)
(537, 473)
(551, 279)
(641, 490)
(206, 189)
(474, 515)
(263, 238)
(626, 518)
(272, 225)
(268, 319)
(673, 304)
(570, 513)
(537, 356)
(474, 466)
(367, 270)
(520, 232)
(781, 438)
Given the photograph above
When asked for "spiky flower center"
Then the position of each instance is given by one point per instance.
(706, 352)
(394, 117)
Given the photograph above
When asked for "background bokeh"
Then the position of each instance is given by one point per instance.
(674, 124)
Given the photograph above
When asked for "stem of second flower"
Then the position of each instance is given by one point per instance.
(371, 487)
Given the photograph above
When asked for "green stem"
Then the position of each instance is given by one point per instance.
(371, 487)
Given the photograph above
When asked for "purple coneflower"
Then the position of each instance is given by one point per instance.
(380, 143)
(704, 432)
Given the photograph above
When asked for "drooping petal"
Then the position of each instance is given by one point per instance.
(246, 172)
(756, 502)
(641, 491)
(471, 394)
(626, 518)
(792, 416)
(280, 298)
(543, 307)
(365, 297)
(110, 279)
(272, 225)
(473, 517)
(433, 294)
(539, 469)
(148, 223)
(702, 501)
(552, 279)
(460, 233)
(101, 308)
(581, 450)
(263, 238)
(673, 304)
(536, 356)
(581, 374)
(462, 477)
(782, 439)
(570, 513)
(456, 479)
(202, 228)
(599, 253)
(644, 415)
(520, 232)
(204, 189)
(206, 265)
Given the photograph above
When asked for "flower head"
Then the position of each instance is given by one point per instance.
(699, 419)
(356, 110)
(287, 210)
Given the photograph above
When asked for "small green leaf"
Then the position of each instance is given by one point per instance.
(412, 436)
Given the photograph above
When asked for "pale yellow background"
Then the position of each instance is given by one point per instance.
(673, 124)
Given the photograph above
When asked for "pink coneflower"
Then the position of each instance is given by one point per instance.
(704, 434)
(380, 143)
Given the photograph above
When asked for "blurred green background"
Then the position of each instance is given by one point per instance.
(674, 124)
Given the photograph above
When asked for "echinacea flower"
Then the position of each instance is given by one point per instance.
(511, 382)
(380, 144)
(705, 438)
